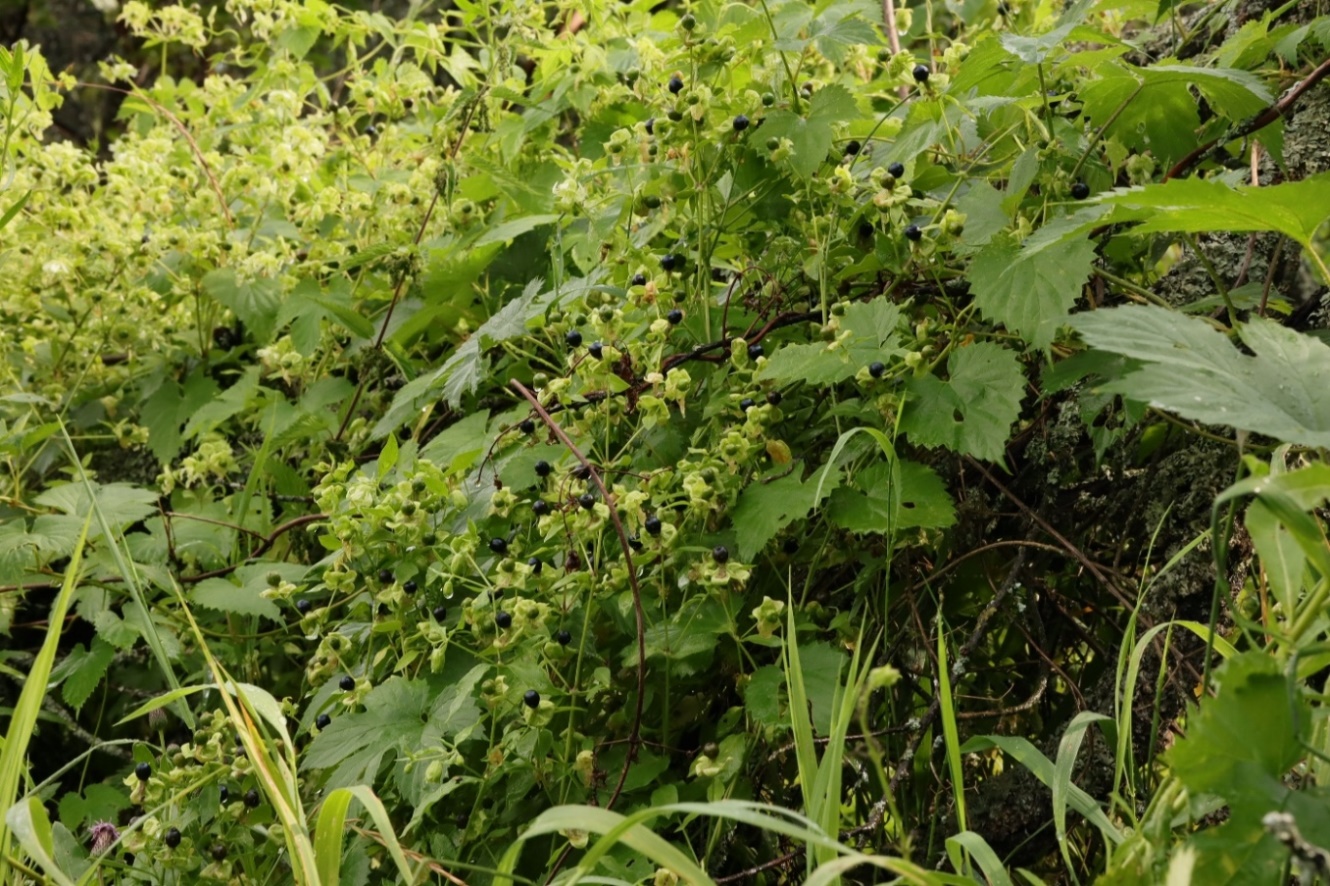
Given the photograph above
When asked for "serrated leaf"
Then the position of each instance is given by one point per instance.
(255, 302)
(460, 373)
(1190, 368)
(1297, 209)
(229, 403)
(812, 135)
(120, 503)
(398, 713)
(764, 509)
(514, 228)
(762, 696)
(873, 327)
(972, 412)
(1222, 753)
(1030, 292)
(840, 24)
(1153, 108)
(922, 502)
(89, 667)
(222, 595)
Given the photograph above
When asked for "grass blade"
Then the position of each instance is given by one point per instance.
(24, 717)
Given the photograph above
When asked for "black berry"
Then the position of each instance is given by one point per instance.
(676, 84)
(635, 543)
(651, 126)
(563, 638)
(755, 351)
(543, 468)
(582, 472)
(224, 793)
(532, 698)
(740, 123)
(540, 507)
(347, 683)
(675, 317)
(596, 350)
(498, 545)
(143, 771)
(440, 613)
(218, 852)
(303, 606)
(746, 402)
(720, 553)
(652, 525)
(876, 369)
(574, 338)
(914, 234)
(774, 398)
(409, 586)
(171, 838)
(852, 148)
(668, 261)
(527, 426)
(321, 721)
(896, 170)
(920, 73)
(385, 577)
(586, 500)
(1080, 190)
(639, 280)
(251, 798)
(535, 565)
(503, 619)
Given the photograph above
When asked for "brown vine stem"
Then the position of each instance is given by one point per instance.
(1259, 122)
(402, 277)
(635, 736)
(193, 145)
(267, 542)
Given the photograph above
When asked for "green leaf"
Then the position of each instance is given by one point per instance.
(1190, 368)
(89, 666)
(1222, 752)
(120, 503)
(764, 509)
(229, 403)
(514, 228)
(821, 664)
(1030, 291)
(873, 326)
(1033, 50)
(255, 302)
(972, 412)
(762, 696)
(812, 135)
(1154, 109)
(921, 502)
(839, 24)
(224, 596)
(398, 712)
(460, 374)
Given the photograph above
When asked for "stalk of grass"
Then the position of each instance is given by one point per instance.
(950, 733)
(13, 757)
(631, 831)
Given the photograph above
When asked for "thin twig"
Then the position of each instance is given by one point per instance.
(635, 735)
(935, 707)
(193, 145)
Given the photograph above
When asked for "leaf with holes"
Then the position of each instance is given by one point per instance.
(972, 412)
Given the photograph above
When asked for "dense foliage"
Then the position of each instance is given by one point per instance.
(429, 438)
